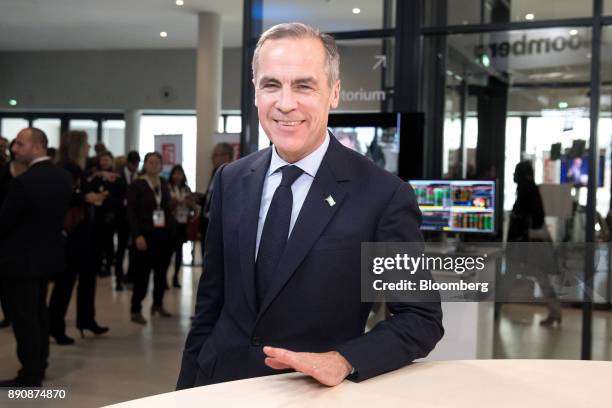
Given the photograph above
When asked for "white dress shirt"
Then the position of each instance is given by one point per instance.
(309, 164)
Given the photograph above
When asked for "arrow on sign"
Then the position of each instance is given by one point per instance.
(380, 60)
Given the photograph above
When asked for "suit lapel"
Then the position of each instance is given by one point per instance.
(315, 214)
(252, 186)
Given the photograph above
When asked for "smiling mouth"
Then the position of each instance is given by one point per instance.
(289, 123)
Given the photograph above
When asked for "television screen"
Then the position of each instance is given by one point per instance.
(456, 205)
(379, 144)
(576, 170)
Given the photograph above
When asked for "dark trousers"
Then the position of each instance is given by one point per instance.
(78, 264)
(104, 247)
(155, 258)
(25, 305)
(123, 235)
(181, 237)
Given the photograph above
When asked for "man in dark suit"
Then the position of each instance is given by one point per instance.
(32, 250)
(129, 173)
(280, 288)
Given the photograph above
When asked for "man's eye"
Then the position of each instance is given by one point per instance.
(304, 87)
(269, 86)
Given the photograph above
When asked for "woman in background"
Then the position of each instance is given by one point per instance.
(526, 218)
(79, 260)
(182, 204)
(151, 225)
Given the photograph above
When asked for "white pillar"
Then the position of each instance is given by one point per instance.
(208, 92)
(132, 129)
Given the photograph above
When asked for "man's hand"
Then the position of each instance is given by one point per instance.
(327, 368)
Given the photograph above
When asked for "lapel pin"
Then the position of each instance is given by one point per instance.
(330, 200)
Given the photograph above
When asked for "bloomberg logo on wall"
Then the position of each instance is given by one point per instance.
(535, 49)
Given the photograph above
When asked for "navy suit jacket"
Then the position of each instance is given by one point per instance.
(314, 302)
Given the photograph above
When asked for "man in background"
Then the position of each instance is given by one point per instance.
(129, 173)
(32, 250)
(222, 153)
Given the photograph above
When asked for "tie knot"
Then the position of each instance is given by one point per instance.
(290, 174)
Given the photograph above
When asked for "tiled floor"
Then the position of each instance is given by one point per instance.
(129, 362)
(133, 361)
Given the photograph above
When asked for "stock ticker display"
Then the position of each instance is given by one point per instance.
(456, 205)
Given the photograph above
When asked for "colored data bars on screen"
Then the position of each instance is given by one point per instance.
(456, 205)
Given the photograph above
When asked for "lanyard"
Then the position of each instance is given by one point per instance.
(156, 191)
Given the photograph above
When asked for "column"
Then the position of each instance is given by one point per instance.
(132, 129)
(208, 93)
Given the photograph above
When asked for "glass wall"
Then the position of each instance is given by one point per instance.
(52, 128)
(113, 136)
(12, 126)
(496, 98)
(329, 16)
(366, 73)
(461, 12)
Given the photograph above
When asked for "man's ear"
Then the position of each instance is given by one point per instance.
(254, 86)
(334, 98)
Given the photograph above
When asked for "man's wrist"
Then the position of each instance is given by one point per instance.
(349, 369)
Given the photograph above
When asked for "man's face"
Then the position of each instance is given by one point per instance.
(24, 149)
(106, 163)
(219, 156)
(293, 96)
(132, 166)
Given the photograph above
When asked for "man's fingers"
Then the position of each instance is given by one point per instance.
(274, 351)
(275, 364)
(290, 359)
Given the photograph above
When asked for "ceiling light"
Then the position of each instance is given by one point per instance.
(163, 34)
(486, 61)
(529, 16)
(356, 10)
(179, 2)
(563, 105)
(573, 32)
(12, 102)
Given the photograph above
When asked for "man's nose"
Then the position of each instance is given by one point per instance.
(286, 101)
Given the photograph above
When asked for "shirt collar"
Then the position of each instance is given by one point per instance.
(309, 164)
(40, 159)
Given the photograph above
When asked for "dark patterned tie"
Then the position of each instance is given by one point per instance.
(275, 232)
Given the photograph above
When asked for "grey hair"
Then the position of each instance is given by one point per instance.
(300, 30)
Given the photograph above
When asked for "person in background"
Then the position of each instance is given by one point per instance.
(222, 153)
(32, 250)
(4, 155)
(105, 216)
(52, 153)
(151, 225)
(129, 173)
(528, 215)
(92, 162)
(8, 172)
(182, 205)
(79, 252)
